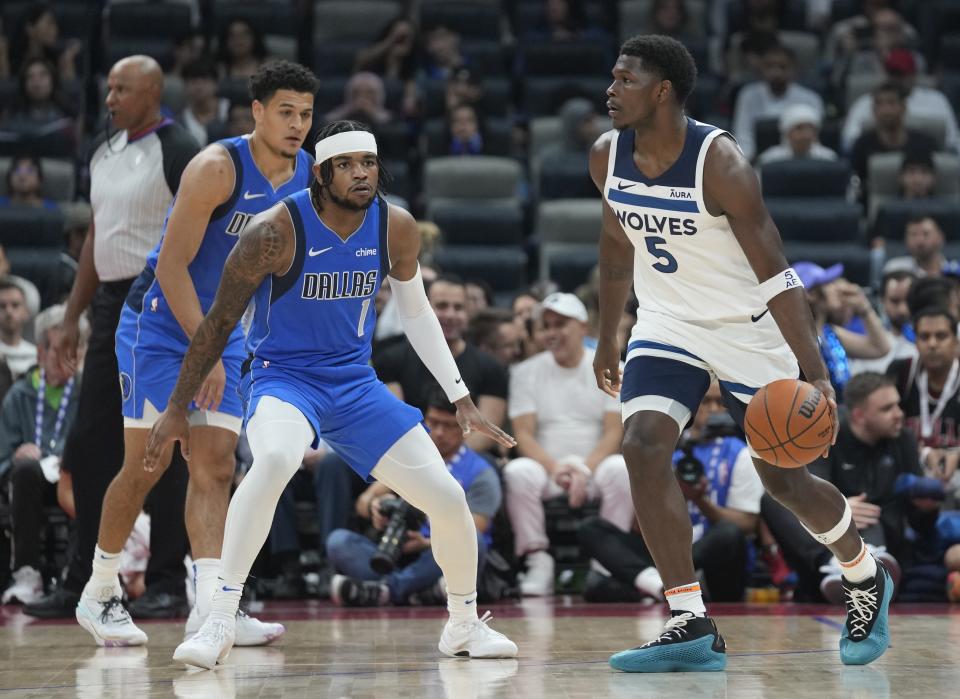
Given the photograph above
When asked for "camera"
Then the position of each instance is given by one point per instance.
(401, 517)
(720, 425)
(688, 467)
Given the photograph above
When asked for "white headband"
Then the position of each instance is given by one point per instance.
(346, 142)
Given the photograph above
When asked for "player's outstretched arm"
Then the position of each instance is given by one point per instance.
(422, 328)
(616, 277)
(266, 247)
(731, 188)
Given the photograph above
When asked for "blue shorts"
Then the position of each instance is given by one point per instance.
(151, 345)
(677, 386)
(349, 406)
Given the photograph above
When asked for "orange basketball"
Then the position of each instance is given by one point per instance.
(788, 423)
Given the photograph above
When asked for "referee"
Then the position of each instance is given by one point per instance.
(134, 173)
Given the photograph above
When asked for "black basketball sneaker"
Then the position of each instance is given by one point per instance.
(688, 644)
(866, 634)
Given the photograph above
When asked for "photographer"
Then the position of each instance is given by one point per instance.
(723, 492)
(416, 576)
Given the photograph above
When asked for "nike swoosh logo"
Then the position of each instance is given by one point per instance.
(314, 253)
(231, 589)
(457, 381)
(756, 318)
(469, 601)
(621, 186)
(248, 196)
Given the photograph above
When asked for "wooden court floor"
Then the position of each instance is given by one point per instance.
(774, 651)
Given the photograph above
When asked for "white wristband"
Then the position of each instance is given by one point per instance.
(778, 283)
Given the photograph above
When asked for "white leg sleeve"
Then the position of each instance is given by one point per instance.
(279, 435)
(414, 470)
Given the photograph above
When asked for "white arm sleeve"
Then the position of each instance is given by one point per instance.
(423, 330)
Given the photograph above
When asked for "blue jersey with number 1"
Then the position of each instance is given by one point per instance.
(321, 312)
(309, 343)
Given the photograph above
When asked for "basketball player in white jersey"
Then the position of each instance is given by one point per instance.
(683, 221)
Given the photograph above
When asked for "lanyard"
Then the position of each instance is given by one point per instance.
(949, 389)
(61, 411)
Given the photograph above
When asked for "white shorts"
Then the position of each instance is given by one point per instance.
(196, 418)
(670, 364)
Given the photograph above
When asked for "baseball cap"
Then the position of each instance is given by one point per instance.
(813, 275)
(798, 114)
(900, 62)
(566, 305)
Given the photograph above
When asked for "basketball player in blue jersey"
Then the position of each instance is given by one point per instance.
(221, 190)
(312, 266)
(683, 221)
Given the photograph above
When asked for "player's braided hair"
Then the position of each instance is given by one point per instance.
(326, 167)
(666, 57)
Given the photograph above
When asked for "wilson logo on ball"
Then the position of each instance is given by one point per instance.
(808, 406)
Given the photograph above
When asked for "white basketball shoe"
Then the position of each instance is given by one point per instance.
(208, 646)
(475, 639)
(247, 632)
(107, 620)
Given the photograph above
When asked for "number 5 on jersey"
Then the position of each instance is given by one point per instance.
(666, 263)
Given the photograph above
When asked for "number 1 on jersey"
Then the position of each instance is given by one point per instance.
(364, 307)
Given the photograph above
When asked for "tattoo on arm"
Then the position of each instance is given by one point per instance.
(616, 256)
(610, 270)
(255, 256)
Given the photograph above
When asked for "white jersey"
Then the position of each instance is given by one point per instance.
(688, 265)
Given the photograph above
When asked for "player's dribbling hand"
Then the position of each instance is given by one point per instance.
(211, 390)
(472, 420)
(824, 386)
(171, 426)
(606, 368)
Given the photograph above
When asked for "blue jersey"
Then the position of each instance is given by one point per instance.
(150, 343)
(321, 313)
(252, 194)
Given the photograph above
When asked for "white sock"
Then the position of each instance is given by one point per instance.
(104, 583)
(462, 608)
(686, 598)
(226, 601)
(205, 571)
(862, 567)
(649, 582)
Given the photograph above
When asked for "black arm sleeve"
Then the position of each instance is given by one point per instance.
(178, 148)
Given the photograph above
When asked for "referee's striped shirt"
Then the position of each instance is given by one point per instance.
(132, 184)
